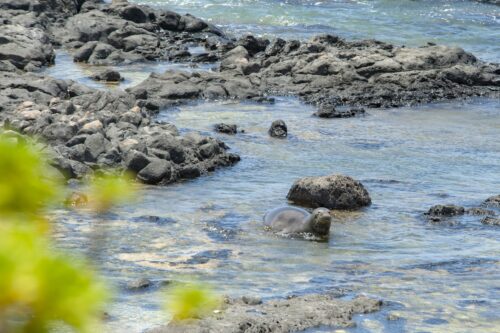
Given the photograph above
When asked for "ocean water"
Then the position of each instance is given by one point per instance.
(469, 24)
(432, 277)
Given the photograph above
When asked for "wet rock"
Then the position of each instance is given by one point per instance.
(289, 315)
(490, 220)
(108, 76)
(154, 219)
(278, 129)
(479, 211)
(226, 128)
(445, 211)
(333, 192)
(84, 52)
(139, 284)
(253, 44)
(329, 111)
(155, 172)
(493, 201)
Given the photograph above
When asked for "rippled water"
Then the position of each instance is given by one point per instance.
(436, 278)
(465, 23)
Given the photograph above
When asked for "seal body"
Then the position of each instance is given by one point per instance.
(293, 220)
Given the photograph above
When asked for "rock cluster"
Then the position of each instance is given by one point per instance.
(89, 129)
(328, 71)
(447, 213)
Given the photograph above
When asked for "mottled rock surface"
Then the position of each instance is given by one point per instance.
(493, 201)
(278, 129)
(294, 314)
(333, 192)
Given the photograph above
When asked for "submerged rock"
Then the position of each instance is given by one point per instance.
(479, 211)
(446, 210)
(333, 192)
(278, 129)
(493, 201)
(490, 220)
(139, 284)
(226, 128)
(293, 314)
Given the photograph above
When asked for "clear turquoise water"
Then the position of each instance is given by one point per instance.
(465, 23)
(438, 278)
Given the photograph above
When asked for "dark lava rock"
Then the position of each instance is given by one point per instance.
(24, 47)
(278, 129)
(493, 201)
(136, 161)
(226, 128)
(445, 211)
(108, 76)
(329, 111)
(294, 314)
(490, 220)
(155, 172)
(479, 211)
(332, 192)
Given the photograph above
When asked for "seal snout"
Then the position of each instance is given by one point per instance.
(321, 221)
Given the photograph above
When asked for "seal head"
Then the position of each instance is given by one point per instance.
(321, 221)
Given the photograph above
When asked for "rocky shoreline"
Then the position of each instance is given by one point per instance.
(294, 314)
(89, 129)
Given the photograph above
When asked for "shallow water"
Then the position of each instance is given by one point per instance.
(469, 24)
(437, 278)
(132, 74)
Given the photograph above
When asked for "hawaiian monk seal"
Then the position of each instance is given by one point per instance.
(293, 220)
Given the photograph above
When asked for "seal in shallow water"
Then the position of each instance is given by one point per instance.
(293, 220)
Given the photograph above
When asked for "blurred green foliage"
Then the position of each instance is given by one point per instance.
(38, 285)
(194, 300)
(26, 186)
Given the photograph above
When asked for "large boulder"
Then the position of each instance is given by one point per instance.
(333, 192)
(155, 172)
(25, 48)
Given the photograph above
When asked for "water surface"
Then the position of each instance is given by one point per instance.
(469, 24)
(437, 278)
